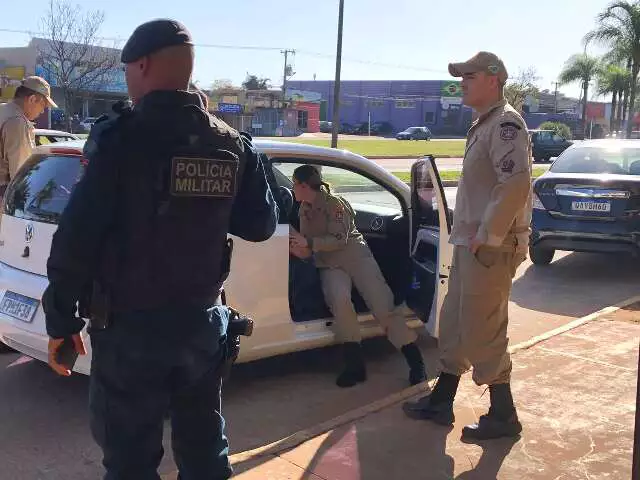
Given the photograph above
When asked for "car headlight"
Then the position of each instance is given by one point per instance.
(537, 203)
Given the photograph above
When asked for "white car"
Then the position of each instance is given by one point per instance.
(407, 229)
(45, 137)
(87, 123)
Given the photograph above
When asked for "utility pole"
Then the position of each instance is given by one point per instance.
(555, 98)
(336, 87)
(286, 73)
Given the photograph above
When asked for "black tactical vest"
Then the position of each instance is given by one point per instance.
(178, 178)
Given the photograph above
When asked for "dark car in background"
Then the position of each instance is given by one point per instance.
(415, 133)
(588, 201)
(326, 127)
(546, 144)
(379, 129)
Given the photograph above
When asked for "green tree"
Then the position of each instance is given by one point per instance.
(580, 68)
(253, 82)
(557, 127)
(619, 28)
(520, 87)
(613, 79)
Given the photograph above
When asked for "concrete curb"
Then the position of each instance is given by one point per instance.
(302, 436)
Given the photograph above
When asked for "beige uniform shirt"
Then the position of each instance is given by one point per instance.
(17, 140)
(329, 226)
(493, 202)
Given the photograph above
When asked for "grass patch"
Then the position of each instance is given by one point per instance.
(452, 148)
(337, 180)
(455, 175)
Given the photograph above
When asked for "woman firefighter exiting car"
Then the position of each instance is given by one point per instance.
(328, 232)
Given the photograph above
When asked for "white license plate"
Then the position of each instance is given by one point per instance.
(18, 306)
(591, 206)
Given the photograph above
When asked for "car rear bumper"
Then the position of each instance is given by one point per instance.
(583, 234)
(586, 242)
(30, 338)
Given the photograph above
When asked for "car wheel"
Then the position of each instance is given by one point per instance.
(541, 256)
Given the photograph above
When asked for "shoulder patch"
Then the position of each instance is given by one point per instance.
(335, 209)
(511, 124)
(203, 177)
(508, 132)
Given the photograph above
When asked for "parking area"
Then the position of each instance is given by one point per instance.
(44, 419)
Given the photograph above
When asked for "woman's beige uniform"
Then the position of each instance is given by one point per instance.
(344, 259)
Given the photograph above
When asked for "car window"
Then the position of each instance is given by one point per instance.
(558, 139)
(544, 137)
(41, 192)
(624, 161)
(354, 187)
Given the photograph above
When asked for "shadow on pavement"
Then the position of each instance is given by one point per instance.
(44, 418)
(494, 453)
(577, 284)
(268, 400)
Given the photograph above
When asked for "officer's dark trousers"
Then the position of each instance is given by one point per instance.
(144, 365)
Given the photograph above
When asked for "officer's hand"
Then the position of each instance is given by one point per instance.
(300, 252)
(55, 344)
(297, 240)
(475, 245)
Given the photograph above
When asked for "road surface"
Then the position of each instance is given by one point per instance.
(44, 432)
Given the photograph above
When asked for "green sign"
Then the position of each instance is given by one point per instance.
(451, 89)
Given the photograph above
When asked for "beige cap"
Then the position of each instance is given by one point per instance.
(486, 62)
(39, 85)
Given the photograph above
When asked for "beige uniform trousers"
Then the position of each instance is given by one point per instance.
(365, 274)
(474, 316)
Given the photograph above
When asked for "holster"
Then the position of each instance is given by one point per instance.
(239, 325)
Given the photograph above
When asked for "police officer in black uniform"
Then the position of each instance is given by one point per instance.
(144, 236)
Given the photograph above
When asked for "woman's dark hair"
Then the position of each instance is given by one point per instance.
(311, 176)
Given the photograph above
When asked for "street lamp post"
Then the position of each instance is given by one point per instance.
(335, 127)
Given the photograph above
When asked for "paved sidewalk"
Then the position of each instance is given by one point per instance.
(576, 396)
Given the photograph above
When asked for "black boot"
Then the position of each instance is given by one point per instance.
(354, 370)
(502, 419)
(413, 356)
(438, 406)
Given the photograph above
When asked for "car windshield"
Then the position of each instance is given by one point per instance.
(41, 192)
(615, 160)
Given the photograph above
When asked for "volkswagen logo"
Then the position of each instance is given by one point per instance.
(28, 232)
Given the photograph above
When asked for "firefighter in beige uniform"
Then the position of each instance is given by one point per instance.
(16, 130)
(327, 229)
(490, 237)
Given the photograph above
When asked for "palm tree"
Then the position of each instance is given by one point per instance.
(613, 79)
(582, 68)
(619, 28)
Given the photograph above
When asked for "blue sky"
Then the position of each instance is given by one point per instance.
(383, 40)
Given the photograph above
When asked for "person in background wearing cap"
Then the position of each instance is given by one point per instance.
(145, 237)
(490, 237)
(16, 130)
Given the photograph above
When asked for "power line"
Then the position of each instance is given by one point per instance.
(330, 56)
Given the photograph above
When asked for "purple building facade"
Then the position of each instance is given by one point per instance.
(431, 103)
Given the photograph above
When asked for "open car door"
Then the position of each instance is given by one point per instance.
(431, 253)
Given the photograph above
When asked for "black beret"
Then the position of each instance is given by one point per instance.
(153, 36)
